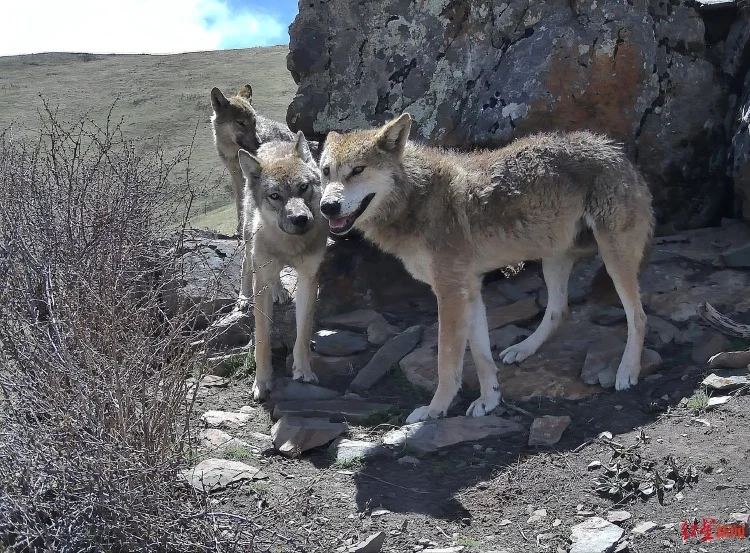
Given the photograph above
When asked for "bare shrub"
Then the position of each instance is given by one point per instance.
(94, 407)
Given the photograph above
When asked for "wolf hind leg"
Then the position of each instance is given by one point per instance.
(556, 272)
(622, 252)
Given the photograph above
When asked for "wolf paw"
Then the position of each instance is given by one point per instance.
(305, 376)
(280, 294)
(424, 413)
(517, 353)
(627, 376)
(261, 389)
(483, 406)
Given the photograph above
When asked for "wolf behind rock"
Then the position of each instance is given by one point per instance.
(451, 217)
(283, 227)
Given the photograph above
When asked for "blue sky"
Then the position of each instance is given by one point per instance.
(142, 26)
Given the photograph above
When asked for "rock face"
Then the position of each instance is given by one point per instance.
(481, 74)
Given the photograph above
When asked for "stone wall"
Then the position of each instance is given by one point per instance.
(652, 74)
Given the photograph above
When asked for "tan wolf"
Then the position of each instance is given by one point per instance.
(237, 126)
(283, 227)
(451, 217)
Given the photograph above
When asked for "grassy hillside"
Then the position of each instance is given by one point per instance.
(160, 98)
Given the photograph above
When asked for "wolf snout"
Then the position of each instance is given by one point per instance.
(330, 208)
(299, 220)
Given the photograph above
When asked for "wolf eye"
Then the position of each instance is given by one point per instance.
(358, 170)
(274, 196)
(240, 123)
(303, 187)
(326, 171)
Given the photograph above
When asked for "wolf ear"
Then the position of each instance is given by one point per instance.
(249, 164)
(392, 136)
(302, 148)
(218, 100)
(247, 93)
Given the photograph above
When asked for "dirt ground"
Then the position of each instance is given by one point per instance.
(481, 495)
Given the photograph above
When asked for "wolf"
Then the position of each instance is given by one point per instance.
(283, 226)
(237, 126)
(451, 217)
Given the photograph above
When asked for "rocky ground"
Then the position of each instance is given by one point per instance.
(565, 465)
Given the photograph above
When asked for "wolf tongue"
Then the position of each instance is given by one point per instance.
(339, 222)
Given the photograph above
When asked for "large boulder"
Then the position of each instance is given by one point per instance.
(476, 73)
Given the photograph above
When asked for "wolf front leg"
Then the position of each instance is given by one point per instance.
(479, 342)
(262, 281)
(306, 295)
(452, 298)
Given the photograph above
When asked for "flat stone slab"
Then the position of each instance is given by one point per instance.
(355, 410)
(618, 516)
(346, 450)
(594, 535)
(378, 331)
(214, 439)
(373, 544)
(225, 419)
(294, 435)
(356, 321)
(520, 311)
(388, 355)
(547, 430)
(287, 389)
(215, 474)
(726, 380)
(338, 342)
(504, 337)
(436, 434)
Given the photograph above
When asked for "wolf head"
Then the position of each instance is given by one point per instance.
(359, 172)
(285, 183)
(234, 121)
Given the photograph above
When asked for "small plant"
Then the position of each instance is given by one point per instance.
(698, 402)
(237, 452)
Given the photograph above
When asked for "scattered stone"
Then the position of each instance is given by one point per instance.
(408, 460)
(517, 312)
(435, 434)
(346, 450)
(557, 522)
(730, 360)
(618, 516)
(708, 345)
(547, 430)
(665, 330)
(293, 435)
(225, 419)
(608, 316)
(605, 436)
(247, 410)
(210, 381)
(215, 474)
(740, 518)
(356, 321)
(716, 401)
(645, 527)
(619, 407)
(214, 439)
(233, 329)
(537, 516)
(650, 361)
(378, 331)
(355, 410)
(726, 380)
(736, 258)
(594, 535)
(509, 335)
(287, 389)
(594, 465)
(455, 549)
(338, 342)
(391, 353)
(379, 513)
(373, 544)
(505, 522)
(622, 547)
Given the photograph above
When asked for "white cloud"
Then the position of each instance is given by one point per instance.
(131, 26)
